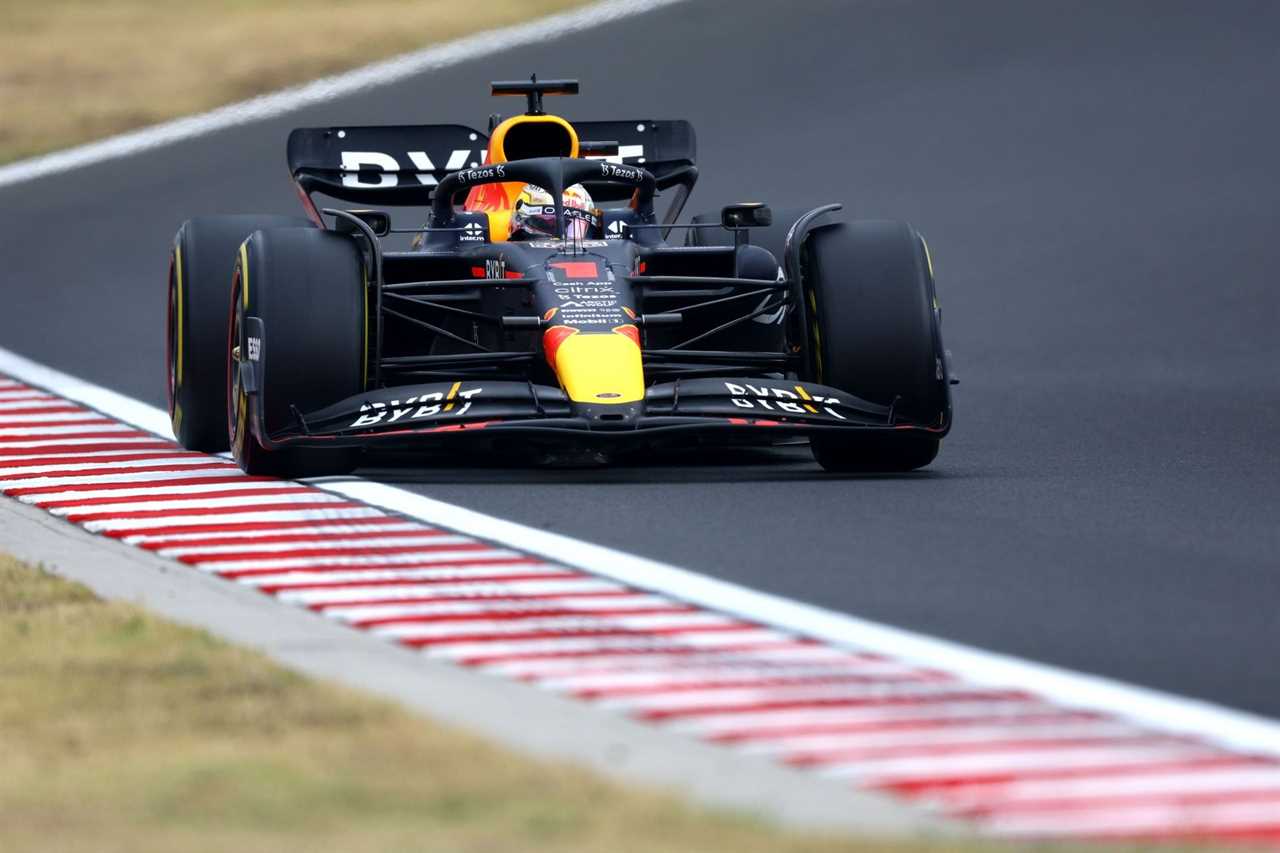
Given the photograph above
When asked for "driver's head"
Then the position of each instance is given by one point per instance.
(534, 214)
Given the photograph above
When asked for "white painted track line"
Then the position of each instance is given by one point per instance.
(327, 88)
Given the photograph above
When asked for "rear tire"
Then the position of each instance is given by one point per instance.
(307, 287)
(200, 265)
(874, 332)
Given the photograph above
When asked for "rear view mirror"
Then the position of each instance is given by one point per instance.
(752, 214)
(379, 222)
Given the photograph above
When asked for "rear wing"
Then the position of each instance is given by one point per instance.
(400, 165)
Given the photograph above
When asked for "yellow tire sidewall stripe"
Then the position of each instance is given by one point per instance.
(177, 266)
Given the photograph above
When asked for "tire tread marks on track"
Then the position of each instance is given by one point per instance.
(1010, 762)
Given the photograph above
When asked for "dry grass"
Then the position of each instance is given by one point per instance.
(121, 731)
(76, 70)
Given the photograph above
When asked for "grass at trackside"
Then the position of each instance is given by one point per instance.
(75, 70)
(120, 731)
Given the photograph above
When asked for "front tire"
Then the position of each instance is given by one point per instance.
(874, 332)
(200, 264)
(307, 287)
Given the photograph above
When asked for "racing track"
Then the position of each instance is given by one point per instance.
(1097, 184)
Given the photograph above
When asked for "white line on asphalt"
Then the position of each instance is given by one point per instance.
(327, 88)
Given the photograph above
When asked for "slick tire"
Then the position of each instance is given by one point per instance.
(307, 287)
(200, 264)
(874, 332)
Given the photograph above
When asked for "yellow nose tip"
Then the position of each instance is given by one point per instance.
(600, 367)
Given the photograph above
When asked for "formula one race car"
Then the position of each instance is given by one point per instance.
(550, 313)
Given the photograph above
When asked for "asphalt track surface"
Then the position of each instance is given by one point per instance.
(1097, 182)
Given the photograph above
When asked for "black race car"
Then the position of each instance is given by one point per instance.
(300, 342)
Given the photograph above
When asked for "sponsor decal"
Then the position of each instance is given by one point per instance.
(485, 173)
(454, 403)
(255, 348)
(796, 401)
(584, 294)
(493, 268)
(621, 173)
(587, 295)
(625, 152)
(377, 169)
(473, 232)
(578, 269)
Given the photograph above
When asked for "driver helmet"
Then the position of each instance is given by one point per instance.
(534, 214)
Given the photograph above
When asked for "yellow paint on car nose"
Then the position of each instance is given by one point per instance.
(600, 367)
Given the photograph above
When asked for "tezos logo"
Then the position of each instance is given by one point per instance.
(470, 176)
(622, 173)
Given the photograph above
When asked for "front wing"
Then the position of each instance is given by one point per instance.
(737, 410)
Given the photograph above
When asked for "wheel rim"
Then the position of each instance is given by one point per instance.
(237, 401)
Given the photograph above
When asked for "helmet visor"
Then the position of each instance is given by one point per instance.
(580, 224)
(532, 218)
